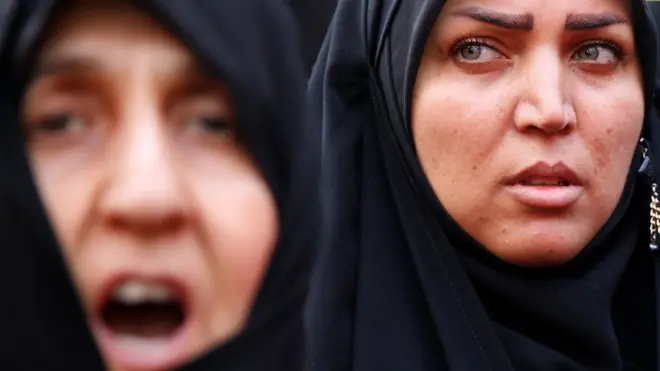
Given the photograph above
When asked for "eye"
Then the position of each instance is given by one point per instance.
(601, 52)
(475, 51)
(213, 124)
(58, 124)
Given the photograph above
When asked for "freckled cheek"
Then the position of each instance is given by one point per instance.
(612, 135)
(455, 135)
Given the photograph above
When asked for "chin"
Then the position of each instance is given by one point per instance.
(539, 250)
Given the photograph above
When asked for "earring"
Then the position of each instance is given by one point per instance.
(654, 206)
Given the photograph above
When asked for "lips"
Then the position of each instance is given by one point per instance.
(542, 174)
(546, 187)
(143, 322)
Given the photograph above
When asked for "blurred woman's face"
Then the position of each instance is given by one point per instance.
(165, 222)
(526, 114)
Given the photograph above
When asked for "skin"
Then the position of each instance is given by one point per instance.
(134, 151)
(490, 101)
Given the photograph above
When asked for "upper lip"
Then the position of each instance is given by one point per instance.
(542, 170)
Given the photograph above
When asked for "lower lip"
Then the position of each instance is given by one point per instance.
(549, 197)
(128, 352)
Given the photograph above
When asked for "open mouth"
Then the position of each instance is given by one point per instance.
(143, 310)
(144, 323)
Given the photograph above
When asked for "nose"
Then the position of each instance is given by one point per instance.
(144, 193)
(544, 105)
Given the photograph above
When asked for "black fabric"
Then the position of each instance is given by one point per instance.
(399, 286)
(654, 5)
(252, 46)
(314, 17)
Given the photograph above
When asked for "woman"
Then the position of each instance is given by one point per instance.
(487, 196)
(166, 147)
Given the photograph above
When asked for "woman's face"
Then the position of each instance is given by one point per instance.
(526, 114)
(165, 222)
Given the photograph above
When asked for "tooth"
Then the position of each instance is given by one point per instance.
(136, 292)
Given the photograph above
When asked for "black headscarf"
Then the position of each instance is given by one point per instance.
(252, 46)
(314, 17)
(400, 286)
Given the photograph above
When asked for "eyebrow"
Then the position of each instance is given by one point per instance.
(588, 21)
(499, 19)
(525, 21)
(59, 65)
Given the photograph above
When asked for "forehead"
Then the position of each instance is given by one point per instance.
(540, 8)
(110, 34)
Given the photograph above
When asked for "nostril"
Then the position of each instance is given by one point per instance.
(553, 127)
(128, 207)
(145, 224)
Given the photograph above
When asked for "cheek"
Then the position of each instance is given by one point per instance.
(611, 131)
(456, 134)
(66, 186)
(239, 218)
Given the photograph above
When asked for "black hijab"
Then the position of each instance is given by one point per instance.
(314, 17)
(252, 46)
(399, 286)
